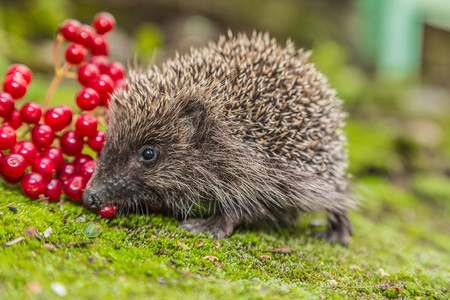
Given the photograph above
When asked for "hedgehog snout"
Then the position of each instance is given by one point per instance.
(91, 199)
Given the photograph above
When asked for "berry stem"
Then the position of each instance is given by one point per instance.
(26, 131)
(59, 75)
(71, 75)
(58, 39)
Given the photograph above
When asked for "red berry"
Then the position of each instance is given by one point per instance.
(55, 118)
(12, 180)
(87, 99)
(120, 84)
(74, 187)
(15, 85)
(86, 125)
(96, 142)
(69, 30)
(104, 22)
(71, 143)
(107, 211)
(33, 185)
(42, 136)
(80, 160)
(101, 61)
(55, 155)
(21, 69)
(100, 45)
(13, 165)
(87, 73)
(116, 71)
(27, 150)
(67, 172)
(53, 190)
(104, 85)
(67, 113)
(88, 169)
(85, 36)
(31, 113)
(44, 166)
(13, 120)
(6, 105)
(75, 54)
(7, 137)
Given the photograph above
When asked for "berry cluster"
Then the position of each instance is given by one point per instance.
(47, 158)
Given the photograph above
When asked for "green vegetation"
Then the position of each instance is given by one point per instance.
(399, 248)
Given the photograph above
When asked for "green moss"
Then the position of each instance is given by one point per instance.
(129, 258)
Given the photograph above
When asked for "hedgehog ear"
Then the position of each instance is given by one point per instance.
(194, 112)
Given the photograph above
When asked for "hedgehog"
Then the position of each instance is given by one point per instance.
(239, 132)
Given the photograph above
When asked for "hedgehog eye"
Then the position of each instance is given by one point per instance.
(148, 154)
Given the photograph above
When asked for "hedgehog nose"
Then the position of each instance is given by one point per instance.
(90, 199)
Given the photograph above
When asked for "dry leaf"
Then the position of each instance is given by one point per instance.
(281, 250)
(200, 244)
(59, 289)
(80, 219)
(380, 272)
(164, 251)
(355, 267)
(181, 245)
(218, 264)
(32, 232)
(217, 244)
(210, 257)
(148, 260)
(49, 247)
(34, 287)
(48, 232)
(15, 241)
(264, 256)
(153, 237)
(368, 275)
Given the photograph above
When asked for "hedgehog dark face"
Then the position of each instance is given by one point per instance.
(152, 153)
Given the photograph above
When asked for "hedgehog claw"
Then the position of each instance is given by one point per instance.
(219, 226)
(339, 229)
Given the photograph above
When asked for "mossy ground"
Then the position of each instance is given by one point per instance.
(398, 235)
(400, 248)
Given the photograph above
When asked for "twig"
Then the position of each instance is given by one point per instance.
(27, 130)
(78, 244)
(58, 39)
(71, 75)
(59, 75)
(189, 274)
(382, 286)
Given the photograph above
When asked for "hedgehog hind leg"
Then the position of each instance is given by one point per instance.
(220, 226)
(339, 228)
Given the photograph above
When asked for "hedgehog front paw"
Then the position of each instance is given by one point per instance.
(339, 229)
(219, 226)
